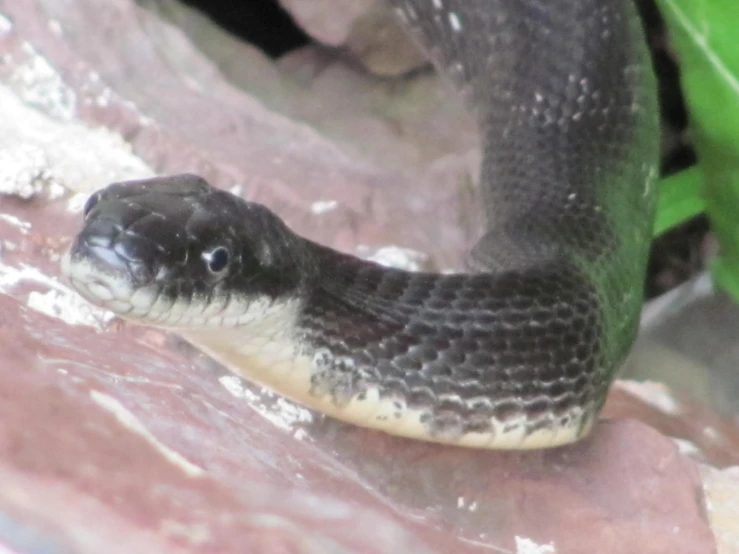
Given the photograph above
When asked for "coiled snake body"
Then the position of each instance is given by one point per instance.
(518, 353)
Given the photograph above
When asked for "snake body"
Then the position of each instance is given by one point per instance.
(516, 353)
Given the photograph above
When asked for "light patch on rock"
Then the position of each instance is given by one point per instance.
(40, 86)
(76, 202)
(687, 448)
(464, 504)
(59, 301)
(24, 170)
(294, 413)
(55, 190)
(394, 256)
(281, 412)
(320, 207)
(70, 308)
(194, 533)
(721, 487)
(132, 423)
(23, 226)
(10, 276)
(55, 27)
(233, 385)
(271, 524)
(653, 393)
(236, 190)
(95, 92)
(5, 24)
(300, 434)
(102, 99)
(40, 152)
(527, 546)
(711, 434)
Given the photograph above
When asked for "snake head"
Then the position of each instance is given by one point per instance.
(174, 251)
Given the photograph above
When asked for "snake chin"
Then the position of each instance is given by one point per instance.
(97, 284)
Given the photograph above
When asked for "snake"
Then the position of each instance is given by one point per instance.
(515, 350)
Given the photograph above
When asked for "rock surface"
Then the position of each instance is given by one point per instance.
(115, 438)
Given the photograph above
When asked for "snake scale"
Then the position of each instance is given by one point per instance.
(516, 353)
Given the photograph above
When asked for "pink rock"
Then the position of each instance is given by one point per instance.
(328, 21)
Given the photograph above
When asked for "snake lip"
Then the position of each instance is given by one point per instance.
(99, 275)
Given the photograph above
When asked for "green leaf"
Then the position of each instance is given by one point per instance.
(704, 34)
(680, 198)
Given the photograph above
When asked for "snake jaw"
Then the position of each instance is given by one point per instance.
(96, 282)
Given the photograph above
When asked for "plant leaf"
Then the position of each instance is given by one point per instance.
(680, 198)
(704, 33)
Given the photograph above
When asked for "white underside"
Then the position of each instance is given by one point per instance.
(278, 364)
(260, 343)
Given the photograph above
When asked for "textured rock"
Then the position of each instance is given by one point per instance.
(115, 438)
(364, 28)
(328, 21)
(722, 491)
(700, 431)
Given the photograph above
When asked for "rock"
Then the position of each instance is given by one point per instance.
(328, 21)
(699, 431)
(722, 492)
(366, 29)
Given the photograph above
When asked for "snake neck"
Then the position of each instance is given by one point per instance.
(468, 346)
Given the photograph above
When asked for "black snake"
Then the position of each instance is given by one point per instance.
(517, 353)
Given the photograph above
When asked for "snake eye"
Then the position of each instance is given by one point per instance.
(90, 204)
(217, 259)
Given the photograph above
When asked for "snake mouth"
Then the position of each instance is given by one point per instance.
(105, 278)
(100, 276)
